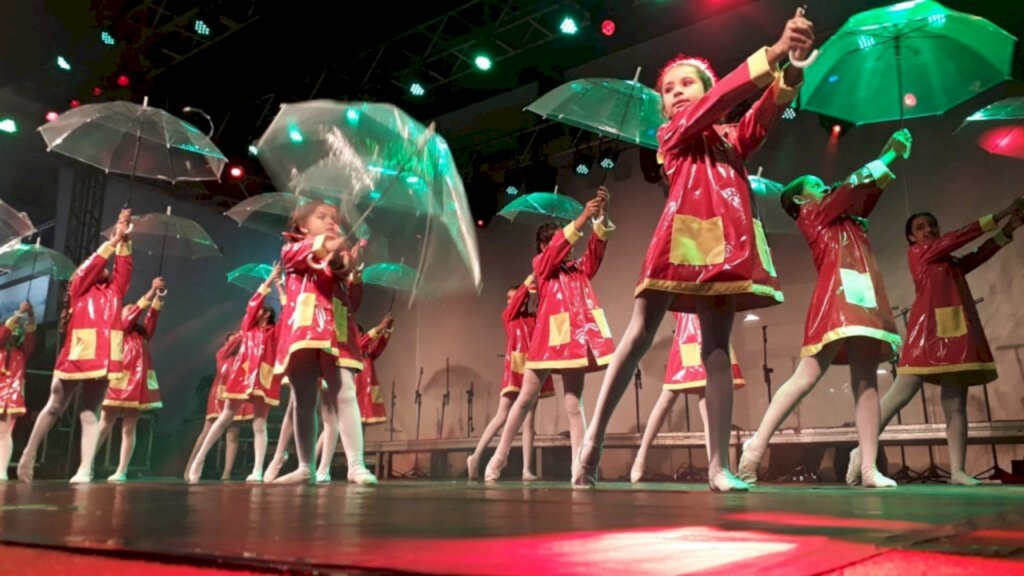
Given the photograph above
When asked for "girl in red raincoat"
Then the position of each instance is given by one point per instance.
(215, 405)
(372, 345)
(684, 374)
(17, 343)
(519, 324)
(571, 336)
(249, 380)
(137, 390)
(946, 344)
(708, 255)
(318, 339)
(849, 320)
(93, 348)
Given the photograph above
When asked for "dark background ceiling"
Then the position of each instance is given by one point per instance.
(260, 53)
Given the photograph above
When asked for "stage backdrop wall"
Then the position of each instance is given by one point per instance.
(947, 175)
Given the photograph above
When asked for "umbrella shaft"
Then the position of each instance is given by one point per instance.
(135, 163)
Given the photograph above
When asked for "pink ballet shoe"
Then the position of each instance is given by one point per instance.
(361, 477)
(875, 479)
(749, 464)
(853, 474)
(584, 476)
(472, 469)
(493, 471)
(726, 481)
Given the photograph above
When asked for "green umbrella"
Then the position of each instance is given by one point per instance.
(998, 128)
(540, 206)
(765, 187)
(620, 109)
(250, 276)
(391, 275)
(907, 60)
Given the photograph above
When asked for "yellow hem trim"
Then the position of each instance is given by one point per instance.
(350, 364)
(266, 400)
(574, 363)
(988, 223)
(893, 340)
(375, 420)
(12, 411)
(84, 375)
(952, 368)
(710, 288)
(510, 390)
(736, 383)
(324, 345)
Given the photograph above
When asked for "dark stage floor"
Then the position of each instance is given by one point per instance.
(461, 528)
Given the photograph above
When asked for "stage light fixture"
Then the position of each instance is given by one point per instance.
(789, 113)
(8, 125)
(75, 103)
(417, 89)
(836, 128)
(201, 28)
(63, 64)
(608, 159)
(107, 39)
(253, 151)
(909, 100)
(608, 27)
(512, 190)
(51, 116)
(295, 135)
(236, 172)
(123, 81)
(97, 91)
(582, 162)
(569, 26)
(483, 62)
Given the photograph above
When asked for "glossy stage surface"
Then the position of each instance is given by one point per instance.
(456, 527)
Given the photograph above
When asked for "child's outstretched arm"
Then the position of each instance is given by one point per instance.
(860, 192)
(968, 262)
(603, 229)
(122, 274)
(547, 263)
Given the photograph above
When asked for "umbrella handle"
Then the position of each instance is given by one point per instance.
(805, 62)
(317, 265)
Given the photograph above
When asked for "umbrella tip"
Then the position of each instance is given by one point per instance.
(556, 188)
(760, 169)
(145, 101)
(636, 77)
(168, 210)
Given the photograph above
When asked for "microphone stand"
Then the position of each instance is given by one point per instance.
(394, 399)
(445, 399)
(765, 370)
(416, 471)
(469, 410)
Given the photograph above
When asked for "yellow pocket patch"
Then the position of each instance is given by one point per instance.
(305, 307)
(950, 322)
(375, 396)
(558, 329)
(690, 354)
(340, 321)
(858, 288)
(83, 344)
(151, 382)
(602, 322)
(116, 345)
(518, 361)
(697, 242)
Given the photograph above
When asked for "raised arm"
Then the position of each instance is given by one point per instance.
(968, 262)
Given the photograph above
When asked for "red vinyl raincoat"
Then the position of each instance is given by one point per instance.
(519, 324)
(13, 358)
(138, 388)
(685, 370)
(251, 373)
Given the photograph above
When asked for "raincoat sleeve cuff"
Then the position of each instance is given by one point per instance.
(571, 233)
(158, 304)
(12, 323)
(1001, 239)
(988, 224)
(880, 173)
(30, 327)
(124, 249)
(784, 94)
(264, 289)
(106, 251)
(319, 252)
(143, 303)
(604, 228)
(761, 73)
(373, 333)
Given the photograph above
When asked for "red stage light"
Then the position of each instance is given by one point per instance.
(480, 223)
(236, 172)
(123, 81)
(75, 103)
(97, 91)
(910, 100)
(608, 27)
(836, 129)
(51, 116)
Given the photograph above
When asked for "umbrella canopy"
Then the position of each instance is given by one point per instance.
(907, 60)
(126, 138)
(250, 276)
(391, 275)
(384, 169)
(269, 212)
(14, 226)
(166, 234)
(540, 206)
(622, 109)
(998, 128)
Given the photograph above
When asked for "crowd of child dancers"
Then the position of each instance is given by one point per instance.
(708, 259)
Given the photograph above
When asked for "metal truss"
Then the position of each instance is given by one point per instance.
(85, 222)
